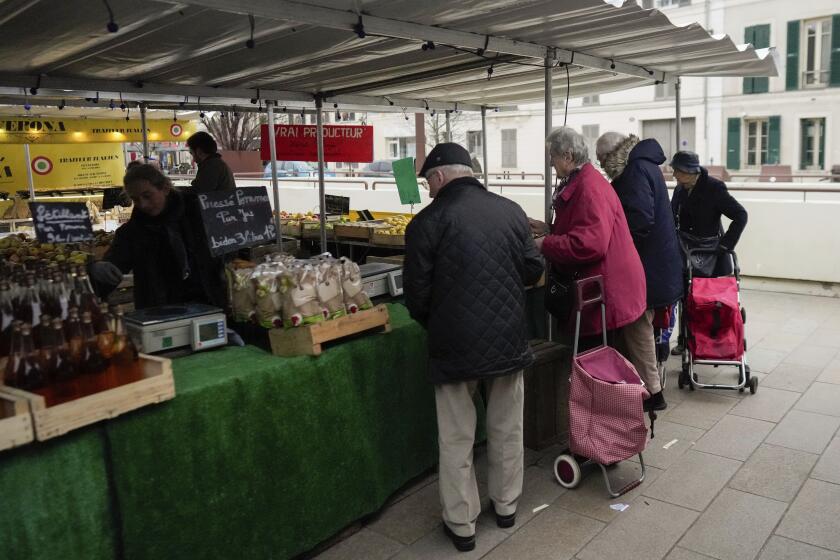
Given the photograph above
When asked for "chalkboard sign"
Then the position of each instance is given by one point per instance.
(61, 222)
(236, 219)
(339, 205)
(114, 197)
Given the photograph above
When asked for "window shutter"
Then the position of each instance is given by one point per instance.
(792, 64)
(822, 144)
(834, 79)
(774, 134)
(733, 144)
(803, 143)
(749, 37)
(761, 40)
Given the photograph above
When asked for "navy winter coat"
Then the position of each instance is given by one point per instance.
(644, 197)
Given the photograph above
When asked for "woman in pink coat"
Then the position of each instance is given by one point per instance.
(588, 237)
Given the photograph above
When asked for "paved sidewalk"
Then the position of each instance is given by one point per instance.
(730, 476)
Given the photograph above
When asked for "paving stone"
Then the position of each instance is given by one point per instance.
(364, 544)
(694, 480)
(684, 554)
(765, 360)
(790, 377)
(811, 355)
(780, 341)
(666, 432)
(826, 337)
(701, 409)
(735, 437)
(437, 546)
(647, 530)
(590, 498)
(831, 374)
(411, 518)
(804, 431)
(812, 518)
(767, 404)
(780, 548)
(734, 526)
(774, 472)
(555, 534)
(800, 326)
(414, 486)
(828, 467)
(540, 488)
(823, 398)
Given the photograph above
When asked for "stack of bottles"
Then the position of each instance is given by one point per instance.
(57, 339)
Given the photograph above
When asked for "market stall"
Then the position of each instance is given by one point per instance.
(259, 455)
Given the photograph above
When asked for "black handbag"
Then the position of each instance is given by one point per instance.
(559, 295)
(703, 264)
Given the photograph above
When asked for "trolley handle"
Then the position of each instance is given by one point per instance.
(581, 285)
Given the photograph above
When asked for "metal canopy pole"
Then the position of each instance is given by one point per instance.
(484, 145)
(319, 121)
(549, 107)
(272, 147)
(29, 178)
(145, 133)
(448, 128)
(677, 88)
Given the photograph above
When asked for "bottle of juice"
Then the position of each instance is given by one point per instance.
(124, 356)
(65, 373)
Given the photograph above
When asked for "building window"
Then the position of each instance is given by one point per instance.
(509, 147)
(400, 147)
(591, 132)
(757, 142)
(668, 90)
(591, 100)
(474, 142)
(815, 57)
(667, 3)
(647, 4)
(813, 144)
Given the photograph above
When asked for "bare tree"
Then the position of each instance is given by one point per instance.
(235, 131)
(436, 128)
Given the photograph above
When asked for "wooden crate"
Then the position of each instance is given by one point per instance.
(359, 232)
(307, 340)
(384, 239)
(546, 415)
(15, 421)
(156, 386)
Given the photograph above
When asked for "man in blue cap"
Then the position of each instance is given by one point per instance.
(698, 203)
(469, 256)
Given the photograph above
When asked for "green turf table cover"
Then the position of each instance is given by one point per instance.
(264, 457)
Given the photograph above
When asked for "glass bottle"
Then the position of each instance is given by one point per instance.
(105, 337)
(30, 376)
(40, 329)
(13, 361)
(93, 363)
(65, 372)
(124, 356)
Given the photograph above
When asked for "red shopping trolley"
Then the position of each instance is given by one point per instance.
(606, 420)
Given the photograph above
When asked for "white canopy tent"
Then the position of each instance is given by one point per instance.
(371, 54)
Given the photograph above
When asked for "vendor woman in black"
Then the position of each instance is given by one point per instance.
(163, 244)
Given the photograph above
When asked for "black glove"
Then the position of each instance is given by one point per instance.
(106, 274)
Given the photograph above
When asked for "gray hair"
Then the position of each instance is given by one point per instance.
(565, 140)
(454, 171)
(607, 143)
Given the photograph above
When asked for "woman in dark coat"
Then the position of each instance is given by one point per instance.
(163, 244)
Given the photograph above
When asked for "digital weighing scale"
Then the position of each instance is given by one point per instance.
(382, 279)
(167, 327)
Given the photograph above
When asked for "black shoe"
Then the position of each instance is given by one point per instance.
(463, 544)
(677, 350)
(506, 521)
(655, 402)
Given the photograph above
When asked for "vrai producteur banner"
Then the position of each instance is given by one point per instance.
(297, 142)
(35, 130)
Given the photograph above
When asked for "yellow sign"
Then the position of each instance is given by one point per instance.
(61, 167)
(25, 130)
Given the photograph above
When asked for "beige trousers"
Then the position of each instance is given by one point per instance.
(456, 419)
(636, 342)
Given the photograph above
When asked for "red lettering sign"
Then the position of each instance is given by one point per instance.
(297, 142)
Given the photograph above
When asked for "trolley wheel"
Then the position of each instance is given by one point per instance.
(567, 471)
(753, 385)
(743, 315)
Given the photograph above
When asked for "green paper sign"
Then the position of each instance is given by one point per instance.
(406, 178)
